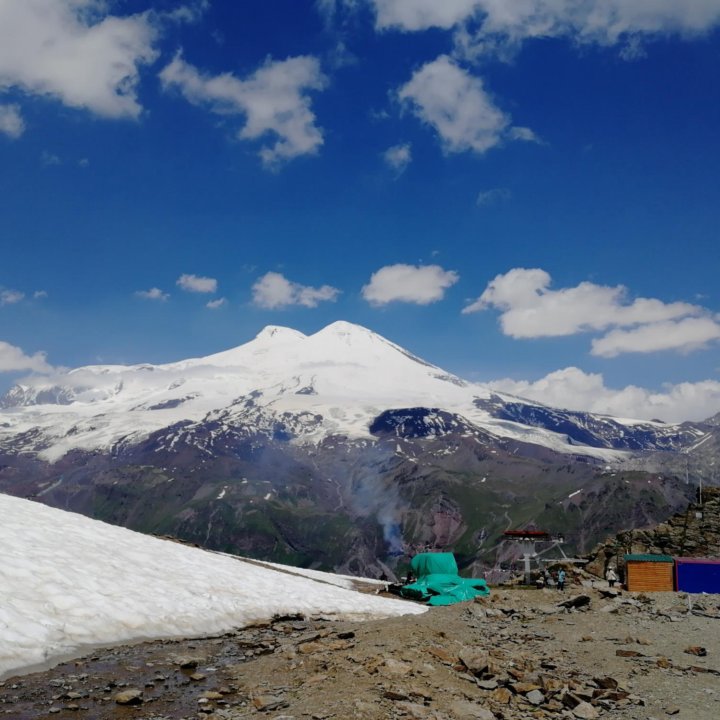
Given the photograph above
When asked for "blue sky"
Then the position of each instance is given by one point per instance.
(524, 194)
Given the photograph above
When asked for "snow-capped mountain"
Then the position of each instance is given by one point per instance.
(296, 387)
(338, 450)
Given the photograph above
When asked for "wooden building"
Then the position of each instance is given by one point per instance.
(649, 573)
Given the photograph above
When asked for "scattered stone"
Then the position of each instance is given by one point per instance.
(577, 601)
(523, 688)
(266, 703)
(487, 684)
(475, 662)
(502, 696)
(696, 650)
(535, 697)
(443, 655)
(396, 695)
(470, 711)
(606, 683)
(585, 711)
(131, 696)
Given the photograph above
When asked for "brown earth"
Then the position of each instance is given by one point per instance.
(517, 654)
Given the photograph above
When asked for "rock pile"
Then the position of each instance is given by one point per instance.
(693, 533)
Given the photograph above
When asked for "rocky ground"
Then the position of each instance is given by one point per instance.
(517, 654)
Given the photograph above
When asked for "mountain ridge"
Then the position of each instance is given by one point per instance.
(337, 450)
(344, 373)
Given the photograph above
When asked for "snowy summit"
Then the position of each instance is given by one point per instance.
(334, 382)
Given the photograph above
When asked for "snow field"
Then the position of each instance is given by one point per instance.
(68, 582)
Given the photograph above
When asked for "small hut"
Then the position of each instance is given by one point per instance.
(649, 573)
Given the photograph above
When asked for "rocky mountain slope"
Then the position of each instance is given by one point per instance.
(338, 450)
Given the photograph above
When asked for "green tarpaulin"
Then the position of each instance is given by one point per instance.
(438, 582)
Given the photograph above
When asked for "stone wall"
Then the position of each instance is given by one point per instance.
(693, 533)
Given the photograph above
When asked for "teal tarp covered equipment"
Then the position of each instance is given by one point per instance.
(438, 582)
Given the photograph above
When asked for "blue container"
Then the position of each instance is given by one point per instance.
(697, 575)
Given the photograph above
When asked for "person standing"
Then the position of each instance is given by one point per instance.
(561, 579)
(611, 576)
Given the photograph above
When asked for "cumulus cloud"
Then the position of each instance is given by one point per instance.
(573, 389)
(215, 304)
(422, 285)
(274, 101)
(11, 122)
(10, 297)
(530, 309)
(152, 294)
(273, 290)
(189, 13)
(686, 335)
(456, 105)
(398, 157)
(422, 14)
(524, 134)
(13, 359)
(491, 26)
(492, 196)
(73, 51)
(197, 284)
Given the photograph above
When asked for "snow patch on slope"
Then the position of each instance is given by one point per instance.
(69, 582)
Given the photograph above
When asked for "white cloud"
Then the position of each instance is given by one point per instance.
(49, 159)
(40, 294)
(73, 51)
(492, 196)
(152, 294)
(573, 389)
(197, 284)
(398, 157)
(686, 335)
(11, 122)
(500, 25)
(421, 285)
(215, 304)
(524, 134)
(13, 359)
(10, 297)
(274, 101)
(189, 13)
(422, 14)
(530, 309)
(456, 105)
(273, 290)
